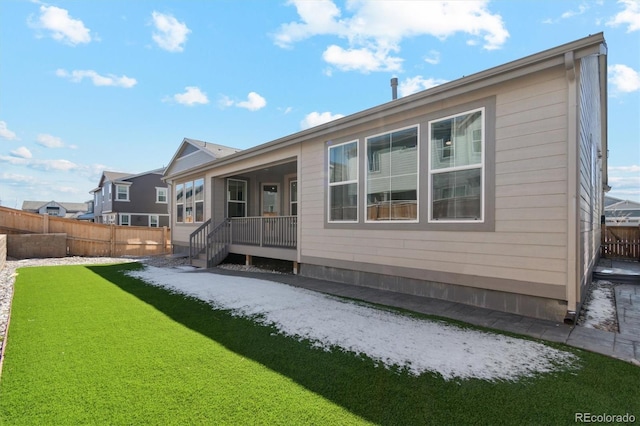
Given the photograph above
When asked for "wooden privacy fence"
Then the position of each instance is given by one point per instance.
(621, 242)
(90, 239)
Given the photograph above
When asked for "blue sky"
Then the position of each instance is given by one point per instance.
(87, 86)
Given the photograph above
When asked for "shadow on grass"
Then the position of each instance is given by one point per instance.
(358, 384)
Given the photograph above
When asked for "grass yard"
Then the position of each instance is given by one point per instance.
(90, 345)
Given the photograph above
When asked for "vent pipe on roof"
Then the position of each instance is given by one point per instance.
(394, 88)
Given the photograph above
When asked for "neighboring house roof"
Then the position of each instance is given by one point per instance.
(69, 207)
(561, 55)
(621, 208)
(119, 177)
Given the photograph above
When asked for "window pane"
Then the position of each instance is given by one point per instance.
(188, 201)
(294, 191)
(179, 193)
(236, 209)
(457, 195)
(199, 211)
(392, 176)
(343, 202)
(343, 161)
(457, 141)
(237, 190)
(199, 190)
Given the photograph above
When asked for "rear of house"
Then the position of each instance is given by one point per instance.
(486, 190)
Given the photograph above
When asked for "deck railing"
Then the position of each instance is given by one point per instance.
(218, 243)
(198, 239)
(265, 231)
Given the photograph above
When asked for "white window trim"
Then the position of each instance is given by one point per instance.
(157, 220)
(121, 185)
(128, 216)
(366, 175)
(481, 166)
(229, 200)
(341, 183)
(166, 195)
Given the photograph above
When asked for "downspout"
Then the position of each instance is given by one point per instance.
(572, 189)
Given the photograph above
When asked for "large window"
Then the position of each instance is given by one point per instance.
(236, 198)
(392, 176)
(456, 171)
(343, 182)
(190, 201)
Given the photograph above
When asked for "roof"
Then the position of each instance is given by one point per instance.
(215, 149)
(210, 152)
(562, 55)
(69, 207)
(117, 177)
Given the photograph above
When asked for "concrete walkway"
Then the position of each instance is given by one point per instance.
(624, 345)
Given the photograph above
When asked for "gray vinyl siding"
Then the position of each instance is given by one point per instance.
(528, 206)
(589, 165)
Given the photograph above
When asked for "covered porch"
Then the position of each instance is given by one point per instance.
(253, 212)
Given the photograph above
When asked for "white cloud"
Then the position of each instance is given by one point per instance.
(375, 29)
(170, 34)
(191, 96)
(625, 182)
(17, 178)
(416, 84)
(582, 8)
(49, 141)
(77, 76)
(254, 102)
(623, 78)
(63, 28)
(49, 165)
(363, 60)
(22, 152)
(317, 118)
(433, 58)
(629, 16)
(5, 133)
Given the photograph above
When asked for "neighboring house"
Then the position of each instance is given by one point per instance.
(131, 199)
(55, 208)
(619, 212)
(486, 190)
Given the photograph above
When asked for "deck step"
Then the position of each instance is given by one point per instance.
(199, 263)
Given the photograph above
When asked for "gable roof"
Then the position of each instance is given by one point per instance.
(69, 207)
(119, 177)
(201, 152)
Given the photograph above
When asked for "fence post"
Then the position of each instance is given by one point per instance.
(112, 240)
(45, 223)
(165, 241)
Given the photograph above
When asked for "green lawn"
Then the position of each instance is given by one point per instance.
(90, 345)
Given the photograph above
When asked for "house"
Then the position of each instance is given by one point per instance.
(619, 212)
(486, 190)
(131, 199)
(55, 208)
